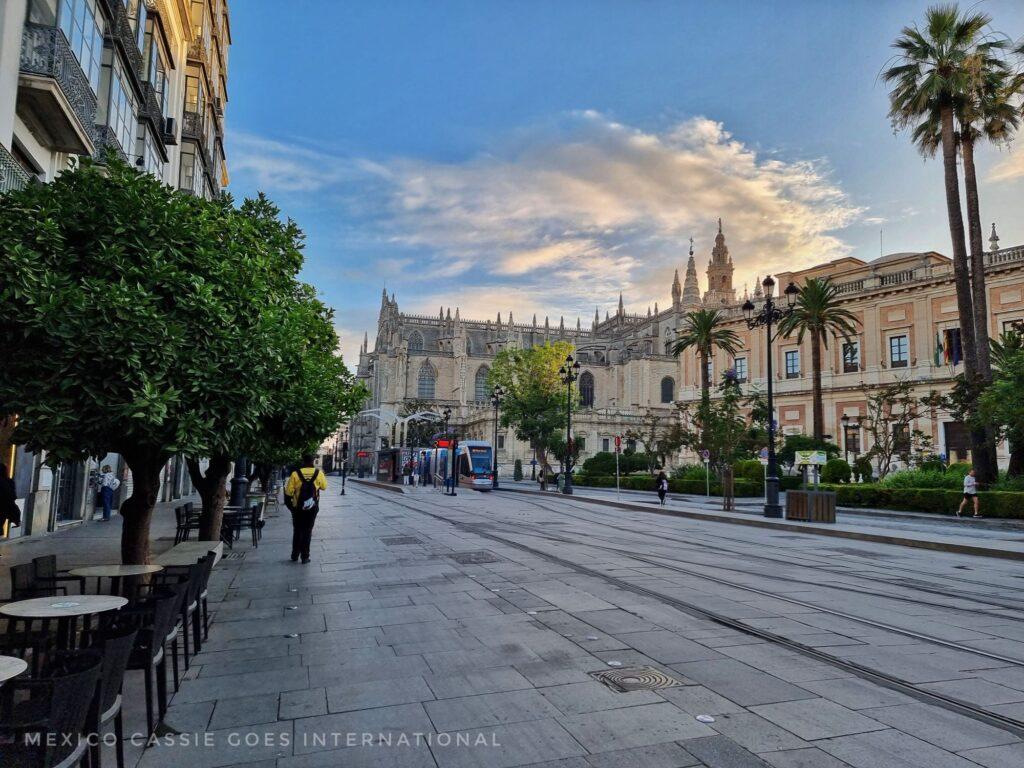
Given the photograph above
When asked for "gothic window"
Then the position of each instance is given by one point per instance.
(415, 341)
(480, 389)
(425, 383)
(668, 389)
(469, 346)
(587, 389)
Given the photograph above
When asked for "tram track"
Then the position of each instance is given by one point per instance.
(950, 703)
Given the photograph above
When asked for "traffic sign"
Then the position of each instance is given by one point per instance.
(362, 454)
(618, 443)
(764, 456)
(705, 455)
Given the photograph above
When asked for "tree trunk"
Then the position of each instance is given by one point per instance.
(137, 509)
(212, 489)
(816, 402)
(978, 291)
(961, 271)
(987, 467)
(1016, 466)
(982, 456)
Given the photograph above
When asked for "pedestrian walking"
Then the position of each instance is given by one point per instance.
(662, 485)
(970, 494)
(108, 483)
(9, 511)
(302, 497)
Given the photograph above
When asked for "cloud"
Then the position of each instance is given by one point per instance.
(572, 211)
(1009, 168)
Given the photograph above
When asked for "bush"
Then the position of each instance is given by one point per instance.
(919, 478)
(741, 488)
(1009, 483)
(517, 470)
(603, 463)
(960, 469)
(1005, 504)
(690, 472)
(748, 469)
(862, 469)
(932, 464)
(835, 471)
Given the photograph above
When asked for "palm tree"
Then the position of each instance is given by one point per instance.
(934, 76)
(703, 331)
(818, 313)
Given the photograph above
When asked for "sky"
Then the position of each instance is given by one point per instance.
(542, 157)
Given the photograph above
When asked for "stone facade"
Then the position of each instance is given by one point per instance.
(904, 302)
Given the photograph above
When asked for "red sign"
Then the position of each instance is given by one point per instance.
(443, 444)
(618, 443)
(362, 454)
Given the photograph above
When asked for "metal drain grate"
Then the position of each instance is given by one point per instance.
(636, 679)
(475, 558)
(396, 541)
(232, 556)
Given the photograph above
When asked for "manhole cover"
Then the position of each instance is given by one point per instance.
(474, 558)
(635, 679)
(397, 541)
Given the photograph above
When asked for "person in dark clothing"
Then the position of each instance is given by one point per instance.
(662, 488)
(302, 497)
(9, 511)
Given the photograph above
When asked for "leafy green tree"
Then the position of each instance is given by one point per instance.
(890, 413)
(517, 470)
(818, 312)
(703, 332)
(128, 324)
(835, 471)
(660, 437)
(1003, 403)
(933, 77)
(535, 398)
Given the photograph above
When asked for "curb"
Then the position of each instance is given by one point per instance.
(935, 546)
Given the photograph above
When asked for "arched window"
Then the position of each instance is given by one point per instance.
(415, 341)
(469, 346)
(480, 389)
(668, 389)
(587, 390)
(426, 381)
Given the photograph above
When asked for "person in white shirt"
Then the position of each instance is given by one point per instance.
(970, 494)
(108, 484)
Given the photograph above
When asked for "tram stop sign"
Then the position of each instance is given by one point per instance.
(705, 455)
(618, 444)
(764, 456)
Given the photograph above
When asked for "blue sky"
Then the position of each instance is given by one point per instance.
(539, 157)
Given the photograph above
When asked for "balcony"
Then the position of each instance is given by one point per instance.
(54, 96)
(106, 139)
(193, 126)
(198, 51)
(12, 175)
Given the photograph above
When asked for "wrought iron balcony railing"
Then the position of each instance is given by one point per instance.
(193, 126)
(106, 139)
(12, 175)
(45, 51)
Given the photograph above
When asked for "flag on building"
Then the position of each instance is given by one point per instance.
(939, 357)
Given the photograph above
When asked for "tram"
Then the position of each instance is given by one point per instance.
(473, 463)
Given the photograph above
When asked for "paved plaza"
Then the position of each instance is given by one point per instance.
(466, 631)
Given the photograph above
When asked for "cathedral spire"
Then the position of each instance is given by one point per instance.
(720, 271)
(758, 292)
(510, 319)
(691, 290)
(993, 239)
(622, 309)
(655, 307)
(578, 323)
(499, 319)
(677, 289)
(597, 317)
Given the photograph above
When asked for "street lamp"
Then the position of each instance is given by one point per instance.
(569, 372)
(771, 313)
(450, 473)
(846, 436)
(496, 399)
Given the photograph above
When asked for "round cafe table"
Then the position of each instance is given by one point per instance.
(11, 666)
(65, 609)
(115, 573)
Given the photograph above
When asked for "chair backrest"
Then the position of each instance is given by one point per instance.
(23, 582)
(167, 603)
(205, 569)
(63, 697)
(179, 515)
(188, 507)
(45, 566)
(115, 643)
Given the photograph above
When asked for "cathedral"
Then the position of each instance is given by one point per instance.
(908, 325)
(628, 369)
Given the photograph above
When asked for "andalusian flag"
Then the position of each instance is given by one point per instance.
(938, 349)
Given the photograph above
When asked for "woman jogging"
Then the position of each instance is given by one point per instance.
(970, 494)
(662, 488)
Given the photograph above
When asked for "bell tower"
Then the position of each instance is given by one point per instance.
(720, 270)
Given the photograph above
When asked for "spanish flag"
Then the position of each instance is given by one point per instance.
(939, 356)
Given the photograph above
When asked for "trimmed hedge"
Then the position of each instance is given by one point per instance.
(942, 501)
(741, 488)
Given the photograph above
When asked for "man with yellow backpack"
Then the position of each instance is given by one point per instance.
(302, 497)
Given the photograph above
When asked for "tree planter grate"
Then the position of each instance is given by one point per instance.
(636, 679)
(397, 541)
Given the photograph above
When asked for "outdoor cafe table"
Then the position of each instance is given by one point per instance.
(115, 573)
(66, 610)
(11, 666)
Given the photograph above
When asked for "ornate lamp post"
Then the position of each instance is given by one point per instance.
(846, 436)
(497, 396)
(569, 372)
(771, 313)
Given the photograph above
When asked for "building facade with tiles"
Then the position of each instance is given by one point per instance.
(905, 303)
(146, 79)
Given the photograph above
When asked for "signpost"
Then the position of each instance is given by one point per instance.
(764, 462)
(705, 456)
(618, 450)
(811, 459)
